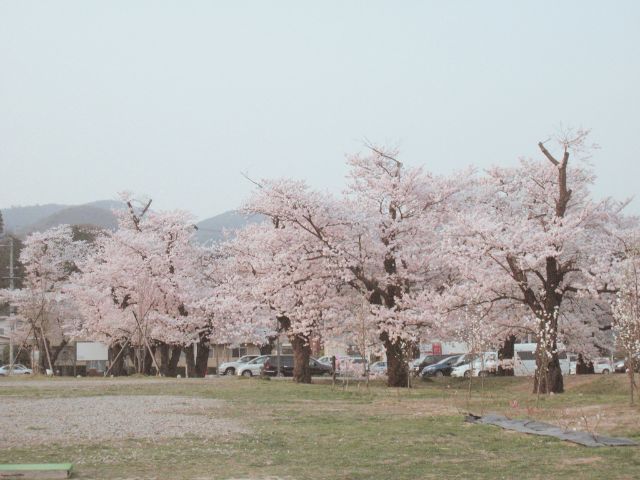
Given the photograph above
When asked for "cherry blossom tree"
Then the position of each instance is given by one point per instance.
(141, 288)
(538, 253)
(281, 278)
(380, 238)
(626, 311)
(43, 304)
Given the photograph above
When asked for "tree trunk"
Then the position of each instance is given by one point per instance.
(134, 356)
(172, 367)
(301, 351)
(507, 352)
(164, 359)
(117, 367)
(548, 376)
(55, 352)
(301, 356)
(190, 364)
(397, 369)
(202, 359)
(632, 381)
(582, 367)
(42, 355)
(148, 366)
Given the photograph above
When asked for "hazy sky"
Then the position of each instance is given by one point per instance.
(176, 99)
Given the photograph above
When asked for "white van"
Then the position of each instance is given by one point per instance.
(485, 363)
(524, 364)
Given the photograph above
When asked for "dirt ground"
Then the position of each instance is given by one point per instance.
(97, 418)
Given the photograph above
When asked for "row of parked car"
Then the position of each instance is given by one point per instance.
(254, 365)
(463, 365)
(486, 363)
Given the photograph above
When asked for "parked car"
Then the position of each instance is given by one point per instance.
(621, 366)
(326, 360)
(414, 363)
(378, 368)
(418, 365)
(230, 368)
(485, 364)
(603, 366)
(18, 369)
(270, 366)
(319, 368)
(253, 367)
(444, 367)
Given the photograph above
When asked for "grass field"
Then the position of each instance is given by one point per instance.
(319, 432)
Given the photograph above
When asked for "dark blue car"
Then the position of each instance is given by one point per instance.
(443, 367)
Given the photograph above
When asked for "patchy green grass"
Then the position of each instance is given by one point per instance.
(320, 432)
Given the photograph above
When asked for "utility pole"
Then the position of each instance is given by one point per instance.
(11, 282)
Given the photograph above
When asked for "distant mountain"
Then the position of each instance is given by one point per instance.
(107, 204)
(24, 220)
(215, 229)
(78, 215)
(17, 218)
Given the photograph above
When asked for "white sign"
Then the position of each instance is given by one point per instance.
(91, 351)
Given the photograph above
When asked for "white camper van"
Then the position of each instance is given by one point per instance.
(524, 364)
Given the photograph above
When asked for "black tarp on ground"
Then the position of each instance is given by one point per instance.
(534, 427)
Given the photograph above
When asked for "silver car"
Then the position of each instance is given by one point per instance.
(230, 368)
(18, 369)
(252, 368)
(378, 368)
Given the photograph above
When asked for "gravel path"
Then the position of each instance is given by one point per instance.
(97, 382)
(104, 418)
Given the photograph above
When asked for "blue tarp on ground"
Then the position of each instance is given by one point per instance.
(534, 427)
